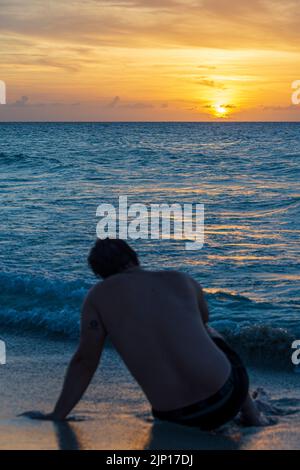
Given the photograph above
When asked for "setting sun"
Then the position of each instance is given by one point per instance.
(220, 110)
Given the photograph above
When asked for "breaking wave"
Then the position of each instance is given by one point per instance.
(52, 307)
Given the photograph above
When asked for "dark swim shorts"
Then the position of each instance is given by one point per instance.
(222, 406)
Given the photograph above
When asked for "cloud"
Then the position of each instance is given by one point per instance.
(114, 102)
(226, 106)
(23, 101)
(138, 105)
(37, 61)
(206, 67)
(204, 81)
(292, 107)
(168, 23)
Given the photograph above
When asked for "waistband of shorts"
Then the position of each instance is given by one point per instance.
(215, 400)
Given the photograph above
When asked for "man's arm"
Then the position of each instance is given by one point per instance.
(82, 366)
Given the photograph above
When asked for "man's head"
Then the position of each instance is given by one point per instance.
(111, 256)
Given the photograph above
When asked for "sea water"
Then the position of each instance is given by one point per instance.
(54, 175)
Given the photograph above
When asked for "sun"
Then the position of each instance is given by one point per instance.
(220, 110)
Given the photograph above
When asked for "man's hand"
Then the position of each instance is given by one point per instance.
(41, 416)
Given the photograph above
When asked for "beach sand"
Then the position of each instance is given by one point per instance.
(114, 414)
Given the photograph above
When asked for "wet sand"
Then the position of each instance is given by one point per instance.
(114, 414)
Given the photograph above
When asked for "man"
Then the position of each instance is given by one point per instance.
(157, 321)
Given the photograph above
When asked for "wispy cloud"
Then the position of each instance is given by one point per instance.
(117, 103)
(201, 23)
(114, 102)
(204, 81)
(292, 107)
(23, 101)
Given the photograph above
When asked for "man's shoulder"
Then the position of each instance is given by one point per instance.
(173, 274)
(94, 292)
(182, 277)
(105, 286)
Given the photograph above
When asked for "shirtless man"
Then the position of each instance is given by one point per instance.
(157, 321)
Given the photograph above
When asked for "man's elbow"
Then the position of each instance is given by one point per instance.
(86, 363)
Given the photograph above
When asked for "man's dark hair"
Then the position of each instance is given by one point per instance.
(111, 256)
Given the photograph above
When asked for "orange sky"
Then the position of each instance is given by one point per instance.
(149, 60)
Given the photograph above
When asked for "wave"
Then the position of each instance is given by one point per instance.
(52, 307)
(8, 159)
(258, 344)
(220, 294)
(41, 304)
(280, 207)
(23, 160)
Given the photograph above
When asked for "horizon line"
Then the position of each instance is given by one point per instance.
(150, 122)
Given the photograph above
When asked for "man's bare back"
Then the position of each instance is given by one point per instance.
(155, 322)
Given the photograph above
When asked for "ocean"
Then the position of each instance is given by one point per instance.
(54, 175)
